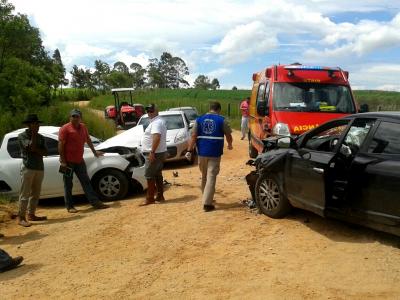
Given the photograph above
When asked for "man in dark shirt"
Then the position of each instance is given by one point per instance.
(33, 148)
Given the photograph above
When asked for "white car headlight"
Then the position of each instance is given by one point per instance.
(281, 129)
(180, 137)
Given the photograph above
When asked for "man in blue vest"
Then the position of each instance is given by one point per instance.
(208, 134)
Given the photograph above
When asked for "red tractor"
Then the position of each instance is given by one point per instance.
(124, 111)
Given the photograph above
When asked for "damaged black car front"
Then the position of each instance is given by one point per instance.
(347, 169)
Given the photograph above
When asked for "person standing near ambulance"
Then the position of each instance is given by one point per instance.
(244, 108)
(208, 134)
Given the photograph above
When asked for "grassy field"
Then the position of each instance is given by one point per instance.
(230, 100)
(379, 100)
(167, 98)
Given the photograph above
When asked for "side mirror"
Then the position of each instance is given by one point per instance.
(345, 151)
(284, 142)
(262, 108)
(363, 108)
(304, 154)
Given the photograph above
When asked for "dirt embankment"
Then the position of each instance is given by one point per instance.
(176, 251)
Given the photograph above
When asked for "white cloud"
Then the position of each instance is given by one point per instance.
(213, 34)
(75, 50)
(124, 56)
(375, 76)
(359, 39)
(243, 41)
(218, 73)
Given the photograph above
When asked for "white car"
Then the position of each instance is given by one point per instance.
(178, 135)
(112, 175)
(190, 112)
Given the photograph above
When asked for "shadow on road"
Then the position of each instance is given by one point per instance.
(223, 206)
(183, 199)
(19, 271)
(23, 238)
(341, 231)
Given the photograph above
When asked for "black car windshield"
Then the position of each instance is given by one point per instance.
(171, 121)
(311, 97)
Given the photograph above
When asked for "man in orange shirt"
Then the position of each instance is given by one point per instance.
(71, 140)
(244, 108)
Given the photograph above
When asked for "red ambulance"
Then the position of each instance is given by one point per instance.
(291, 99)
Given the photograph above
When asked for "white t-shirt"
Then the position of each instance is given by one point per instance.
(157, 125)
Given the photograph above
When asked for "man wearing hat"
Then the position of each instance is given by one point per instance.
(71, 141)
(33, 148)
(154, 148)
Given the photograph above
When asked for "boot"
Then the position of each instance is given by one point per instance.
(33, 217)
(23, 222)
(160, 189)
(151, 189)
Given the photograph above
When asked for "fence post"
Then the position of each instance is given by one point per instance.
(379, 107)
(229, 109)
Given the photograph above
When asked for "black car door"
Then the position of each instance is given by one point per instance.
(375, 193)
(307, 169)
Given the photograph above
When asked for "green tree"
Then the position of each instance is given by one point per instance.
(27, 73)
(215, 84)
(138, 75)
(154, 74)
(119, 66)
(202, 82)
(58, 70)
(102, 70)
(119, 80)
(78, 77)
(168, 72)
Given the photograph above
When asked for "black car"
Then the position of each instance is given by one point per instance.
(348, 169)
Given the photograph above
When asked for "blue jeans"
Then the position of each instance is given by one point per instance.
(81, 173)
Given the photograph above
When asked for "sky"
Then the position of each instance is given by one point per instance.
(227, 39)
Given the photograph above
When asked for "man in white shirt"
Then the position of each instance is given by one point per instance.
(154, 147)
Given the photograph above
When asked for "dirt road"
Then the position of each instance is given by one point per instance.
(176, 251)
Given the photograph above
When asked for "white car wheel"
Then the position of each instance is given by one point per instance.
(111, 184)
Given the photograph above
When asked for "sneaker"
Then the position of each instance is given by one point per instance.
(36, 218)
(208, 208)
(72, 210)
(23, 222)
(13, 263)
(100, 205)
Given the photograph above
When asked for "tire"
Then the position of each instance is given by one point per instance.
(111, 184)
(252, 151)
(270, 199)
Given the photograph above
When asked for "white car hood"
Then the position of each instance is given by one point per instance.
(132, 138)
(129, 138)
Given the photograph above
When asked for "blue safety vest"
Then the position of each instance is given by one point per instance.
(210, 135)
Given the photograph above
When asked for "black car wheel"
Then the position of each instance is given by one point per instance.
(270, 198)
(111, 184)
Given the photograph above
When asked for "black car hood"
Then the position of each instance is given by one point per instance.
(272, 158)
